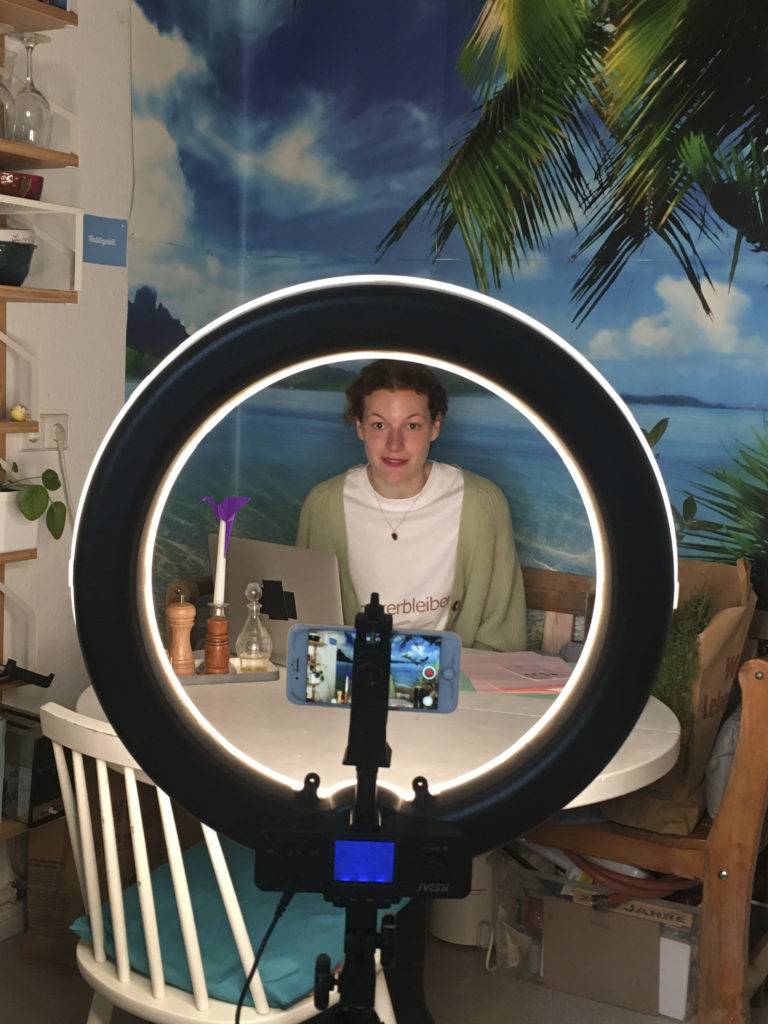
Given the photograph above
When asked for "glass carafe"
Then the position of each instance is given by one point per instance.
(254, 645)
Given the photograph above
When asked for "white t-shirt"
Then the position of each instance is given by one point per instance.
(413, 574)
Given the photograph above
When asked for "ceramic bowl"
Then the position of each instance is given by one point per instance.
(35, 186)
(15, 258)
(13, 184)
(27, 186)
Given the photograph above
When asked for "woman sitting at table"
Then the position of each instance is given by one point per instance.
(434, 541)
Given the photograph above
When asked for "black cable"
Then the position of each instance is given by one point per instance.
(280, 909)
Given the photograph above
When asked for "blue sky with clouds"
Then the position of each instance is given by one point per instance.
(277, 143)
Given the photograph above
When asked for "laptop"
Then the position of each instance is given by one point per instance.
(299, 585)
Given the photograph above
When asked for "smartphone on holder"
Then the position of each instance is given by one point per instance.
(423, 669)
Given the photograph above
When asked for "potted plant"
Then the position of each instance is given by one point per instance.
(738, 500)
(34, 496)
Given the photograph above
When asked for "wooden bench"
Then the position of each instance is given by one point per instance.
(563, 597)
(721, 854)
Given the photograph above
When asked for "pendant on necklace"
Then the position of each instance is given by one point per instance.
(394, 535)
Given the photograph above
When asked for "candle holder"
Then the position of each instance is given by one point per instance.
(217, 641)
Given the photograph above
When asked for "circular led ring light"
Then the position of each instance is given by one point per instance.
(329, 321)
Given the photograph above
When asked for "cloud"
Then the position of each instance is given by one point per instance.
(289, 164)
(302, 155)
(163, 65)
(198, 284)
(159, 59)
(284, 161)
(681, 327)
(295, 157)
(194, 284)
(163, 204)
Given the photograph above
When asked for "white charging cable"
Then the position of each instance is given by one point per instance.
(60, 437)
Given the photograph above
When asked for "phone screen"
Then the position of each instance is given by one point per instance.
(417, 663)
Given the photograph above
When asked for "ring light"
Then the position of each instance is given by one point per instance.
(268, 339)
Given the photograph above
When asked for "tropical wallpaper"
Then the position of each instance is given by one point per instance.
(600, 166)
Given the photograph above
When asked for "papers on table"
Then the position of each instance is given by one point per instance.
(516, 672)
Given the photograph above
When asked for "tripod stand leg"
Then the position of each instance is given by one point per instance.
(406, 979)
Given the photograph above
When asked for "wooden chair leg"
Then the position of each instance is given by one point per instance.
(725, 982)
(724, 943)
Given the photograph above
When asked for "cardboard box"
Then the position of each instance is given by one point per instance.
(560, 927)
(31, 786)
(53, 891)
(641, 955)
(53, 896)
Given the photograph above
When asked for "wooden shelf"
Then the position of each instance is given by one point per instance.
(25, 555)
(19, 427)
(34, 16)
(20, 206)
(31, 16)
(10, 294)
(10, 828)
(16, 156)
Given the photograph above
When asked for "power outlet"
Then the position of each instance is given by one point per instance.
(54, 433)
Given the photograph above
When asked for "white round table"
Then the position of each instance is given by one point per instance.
(257, 718)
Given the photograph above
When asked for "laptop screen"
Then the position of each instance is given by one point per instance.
(299, 585)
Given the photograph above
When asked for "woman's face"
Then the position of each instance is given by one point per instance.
(397, 430)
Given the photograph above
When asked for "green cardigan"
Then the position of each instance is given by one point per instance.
(487, 605)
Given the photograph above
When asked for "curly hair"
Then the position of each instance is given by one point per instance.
(394, 375)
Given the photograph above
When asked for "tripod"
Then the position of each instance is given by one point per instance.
(367, 750)
(361, 856)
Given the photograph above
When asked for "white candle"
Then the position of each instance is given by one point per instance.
(221, 566)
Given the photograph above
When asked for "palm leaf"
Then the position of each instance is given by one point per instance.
(519, 171)
(738, 497)
(570, 89)
(659, 86)
(514, 37)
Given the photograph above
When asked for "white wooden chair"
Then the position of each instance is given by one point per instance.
(97, 774)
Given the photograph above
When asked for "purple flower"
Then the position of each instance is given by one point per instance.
(226, 511)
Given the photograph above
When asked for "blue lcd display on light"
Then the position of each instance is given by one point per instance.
(363, 860)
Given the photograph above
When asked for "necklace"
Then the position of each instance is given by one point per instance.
(396, 527)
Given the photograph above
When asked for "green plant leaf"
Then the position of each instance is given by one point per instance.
(738, 497)
(689, 509)
(680, 664)
(50, 479)
(55, 518)
(657, 431)
(33, 501)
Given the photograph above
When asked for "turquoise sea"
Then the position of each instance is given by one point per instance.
(276, 446)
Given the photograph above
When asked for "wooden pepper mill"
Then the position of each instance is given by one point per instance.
(180, 617)
(217, 641)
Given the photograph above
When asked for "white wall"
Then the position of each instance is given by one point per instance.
(81, 348)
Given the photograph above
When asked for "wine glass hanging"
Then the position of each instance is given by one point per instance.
(33, 118)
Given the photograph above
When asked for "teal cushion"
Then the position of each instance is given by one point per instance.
(309, 926)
